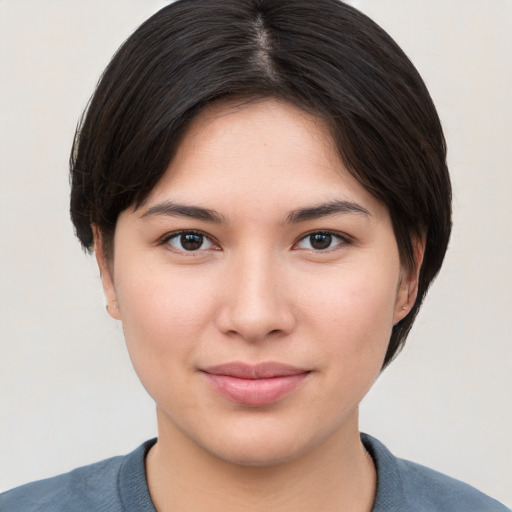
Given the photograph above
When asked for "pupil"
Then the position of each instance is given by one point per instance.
(191, 241)
(320, 240)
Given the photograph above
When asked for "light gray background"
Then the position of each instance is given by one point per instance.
(68, 395)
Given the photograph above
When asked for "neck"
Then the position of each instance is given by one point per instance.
(336, 475)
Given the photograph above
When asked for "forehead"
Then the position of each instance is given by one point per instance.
(258, 150)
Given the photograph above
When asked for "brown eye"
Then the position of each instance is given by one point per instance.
(320, 240)
(189, 241)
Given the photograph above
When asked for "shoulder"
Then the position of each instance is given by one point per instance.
(90, 487)
(95, 487)
(436, 489)
(405, 486)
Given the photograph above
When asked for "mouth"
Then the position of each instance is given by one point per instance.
(255, 385)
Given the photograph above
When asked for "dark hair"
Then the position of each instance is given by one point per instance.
(323, 56)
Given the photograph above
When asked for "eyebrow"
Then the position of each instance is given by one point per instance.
(324, 210)
(170, 209)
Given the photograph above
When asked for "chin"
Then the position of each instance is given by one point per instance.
(263, 445)
(258, 455)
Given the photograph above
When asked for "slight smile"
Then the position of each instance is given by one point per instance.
(255, 385)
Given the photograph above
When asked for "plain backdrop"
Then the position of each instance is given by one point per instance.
(68, 395)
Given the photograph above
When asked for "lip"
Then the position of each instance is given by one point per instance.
(255, 385)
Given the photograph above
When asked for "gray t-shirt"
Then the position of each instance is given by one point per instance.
(119, 485)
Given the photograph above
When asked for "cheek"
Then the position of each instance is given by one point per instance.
(353, 311)
(355, 296)
(162, 312)
(164, 316)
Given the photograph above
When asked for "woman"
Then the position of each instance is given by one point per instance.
(264, 186)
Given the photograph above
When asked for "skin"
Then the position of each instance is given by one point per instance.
(257, 290)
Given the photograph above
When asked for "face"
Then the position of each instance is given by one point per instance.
(257, 286)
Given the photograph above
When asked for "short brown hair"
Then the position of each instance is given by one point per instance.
(323, 56)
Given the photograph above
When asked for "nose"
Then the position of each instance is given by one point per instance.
(256, 302)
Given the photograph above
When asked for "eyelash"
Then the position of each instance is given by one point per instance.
(177, 234)
(343, 240)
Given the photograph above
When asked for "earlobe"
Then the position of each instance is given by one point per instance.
(408, 285)
(106, 274)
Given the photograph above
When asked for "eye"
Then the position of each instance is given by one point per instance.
(321, 241)
(189, 241)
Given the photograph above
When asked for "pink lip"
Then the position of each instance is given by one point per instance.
(255, 385)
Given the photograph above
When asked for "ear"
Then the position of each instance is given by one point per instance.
(408, 285)
(106, 274)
